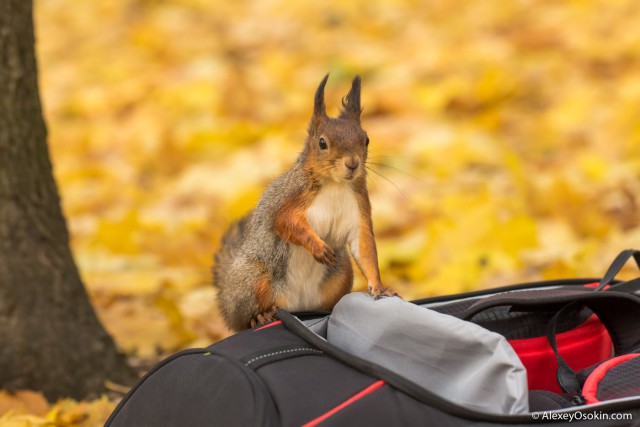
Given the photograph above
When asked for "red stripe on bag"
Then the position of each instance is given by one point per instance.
(268, 325)
(373, 387)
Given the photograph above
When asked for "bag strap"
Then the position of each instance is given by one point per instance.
(566, 377)
(617, 265)
(632, 286)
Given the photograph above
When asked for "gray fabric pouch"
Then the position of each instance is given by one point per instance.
(458, 360)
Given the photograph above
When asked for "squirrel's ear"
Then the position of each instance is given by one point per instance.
(319, 109)
(351, 102)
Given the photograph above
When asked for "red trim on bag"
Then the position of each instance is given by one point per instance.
(583, 346)
(373, 387)
(268, 325)
(590, 389)
(595, 285)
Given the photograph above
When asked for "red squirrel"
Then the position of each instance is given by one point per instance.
(290, 251)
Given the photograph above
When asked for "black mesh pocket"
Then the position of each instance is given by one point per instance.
(616, 378)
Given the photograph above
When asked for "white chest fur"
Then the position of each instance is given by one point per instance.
(334, 215)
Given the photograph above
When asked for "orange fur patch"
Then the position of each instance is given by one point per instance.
(264, 294)
(291, 222)
(337, 286)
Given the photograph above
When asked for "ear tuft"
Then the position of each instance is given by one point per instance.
(319, 108)
(351, 103)
(318, 104)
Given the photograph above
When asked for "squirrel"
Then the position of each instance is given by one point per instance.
(290, 251)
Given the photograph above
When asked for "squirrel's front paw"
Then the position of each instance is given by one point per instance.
(380, 291)
(324, 254)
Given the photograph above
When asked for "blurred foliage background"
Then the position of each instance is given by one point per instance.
(507, 135)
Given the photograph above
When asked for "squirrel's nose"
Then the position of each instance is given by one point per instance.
(352, 164)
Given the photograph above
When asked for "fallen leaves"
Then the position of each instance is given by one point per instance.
(30, 409)
(507, 134)
(23, 401)
(508, 147)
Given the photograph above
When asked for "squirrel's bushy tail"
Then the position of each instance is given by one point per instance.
(230, 242)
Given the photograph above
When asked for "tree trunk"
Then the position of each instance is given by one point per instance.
(50, 337)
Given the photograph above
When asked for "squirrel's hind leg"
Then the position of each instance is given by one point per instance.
(265, 302)
(338, 283)
(264, 317)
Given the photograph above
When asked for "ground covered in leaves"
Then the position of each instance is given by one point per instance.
(505, 138)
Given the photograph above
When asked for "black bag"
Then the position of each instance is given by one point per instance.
(286, 374)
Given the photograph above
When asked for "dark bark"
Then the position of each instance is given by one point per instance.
(50, 337)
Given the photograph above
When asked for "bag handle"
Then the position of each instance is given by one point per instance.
(549, 296)
(617, 265)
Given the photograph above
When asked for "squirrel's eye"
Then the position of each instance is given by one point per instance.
(366, 142)
(323, 144)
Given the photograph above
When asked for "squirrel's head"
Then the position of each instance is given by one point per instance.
(336, 148)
